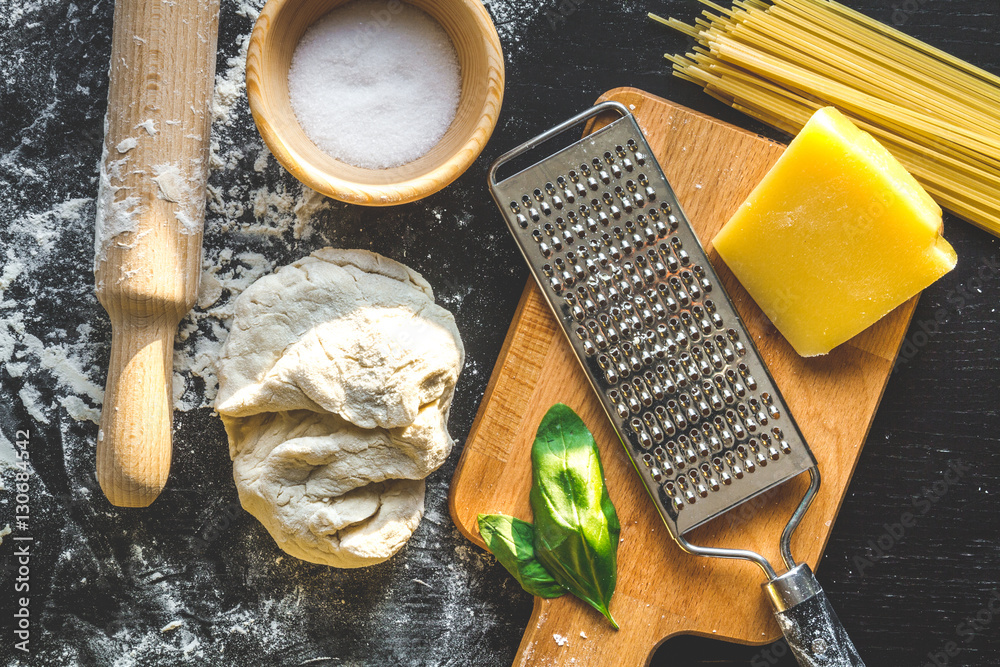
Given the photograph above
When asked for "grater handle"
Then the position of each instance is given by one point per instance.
(581, 117)
(810, 625)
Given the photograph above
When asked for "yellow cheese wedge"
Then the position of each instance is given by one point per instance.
(836, 235)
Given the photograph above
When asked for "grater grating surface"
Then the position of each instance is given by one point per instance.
(649, 320)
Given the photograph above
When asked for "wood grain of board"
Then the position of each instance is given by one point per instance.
(662, 591)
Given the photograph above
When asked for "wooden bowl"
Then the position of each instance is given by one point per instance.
(276, 34)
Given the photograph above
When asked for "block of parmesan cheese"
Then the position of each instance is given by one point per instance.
(835, 237)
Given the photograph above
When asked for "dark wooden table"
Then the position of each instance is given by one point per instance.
(194, 579)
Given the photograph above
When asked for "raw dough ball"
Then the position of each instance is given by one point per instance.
(335, 385)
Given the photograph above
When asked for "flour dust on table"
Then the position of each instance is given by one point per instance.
(193, 579)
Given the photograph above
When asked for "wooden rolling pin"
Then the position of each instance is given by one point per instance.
(150, 218)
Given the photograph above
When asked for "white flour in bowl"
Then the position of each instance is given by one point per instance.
(375, 84)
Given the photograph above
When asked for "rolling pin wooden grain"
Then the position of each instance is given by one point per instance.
(150, 219)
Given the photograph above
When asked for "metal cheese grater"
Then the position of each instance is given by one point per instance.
(670, 359)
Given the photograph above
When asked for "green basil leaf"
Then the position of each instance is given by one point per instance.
(576, 527)
(512, 542)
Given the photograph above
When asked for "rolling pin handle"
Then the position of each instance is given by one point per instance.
(134, 441)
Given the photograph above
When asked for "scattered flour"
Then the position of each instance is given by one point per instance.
(375, 84)
(114, 216)
(45, 228)
(66, 359)
(125, 145)
(170, 184)
(8, 454)
(70, 366)
(117, 216)
(149, 125)
(275, 212)
(511, 18)
(560, 640)
(31, 398)
(269, 622)
(516, 20)
(229, 85)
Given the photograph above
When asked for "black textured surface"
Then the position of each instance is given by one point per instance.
(104, 581)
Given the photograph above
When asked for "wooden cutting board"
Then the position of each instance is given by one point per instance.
(663, 591)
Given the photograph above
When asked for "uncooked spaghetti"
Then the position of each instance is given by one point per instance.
(781, 60)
